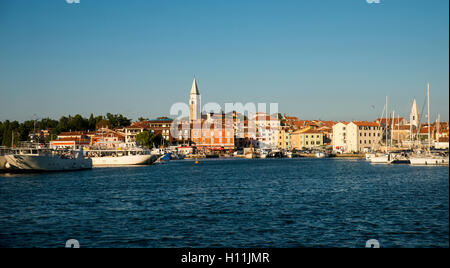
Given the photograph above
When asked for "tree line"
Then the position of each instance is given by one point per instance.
(13, 130)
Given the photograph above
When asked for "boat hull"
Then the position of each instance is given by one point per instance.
(428, 161)
(45, 163)
(2, 163)
(379, 160)
(321, 155)
(128, 160)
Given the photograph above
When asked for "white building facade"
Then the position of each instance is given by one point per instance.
(357, 137)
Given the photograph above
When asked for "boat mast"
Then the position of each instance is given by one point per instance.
(386, 124)
(429, 129)
(438, 127)
(398, 131)
(392, 126)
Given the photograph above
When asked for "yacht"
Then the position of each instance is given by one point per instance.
(35, 159)
(121, 157)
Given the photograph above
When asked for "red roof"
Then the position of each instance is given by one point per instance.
(366, 124)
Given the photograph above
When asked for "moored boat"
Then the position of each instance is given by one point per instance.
(429, 160)
(382, 159)
(321, 155)
(35, 160)
(121, 157)
(370, 155)
(3, 152)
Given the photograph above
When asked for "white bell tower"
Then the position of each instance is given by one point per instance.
(414, 116)
(194, 102)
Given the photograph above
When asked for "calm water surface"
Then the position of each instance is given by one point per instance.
(229, 203)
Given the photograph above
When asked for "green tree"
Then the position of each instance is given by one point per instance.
(144, 139)
(140, 119)
(157, 140)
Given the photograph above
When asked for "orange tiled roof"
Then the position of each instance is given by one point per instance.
(366, 124)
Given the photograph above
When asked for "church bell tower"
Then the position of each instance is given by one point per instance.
(194, 102)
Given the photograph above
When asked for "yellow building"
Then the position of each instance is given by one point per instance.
(308, 139)
(284, 138)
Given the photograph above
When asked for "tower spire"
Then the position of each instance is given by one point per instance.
(194, 88)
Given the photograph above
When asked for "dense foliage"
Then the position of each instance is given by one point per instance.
(16, 131)
(149, 140)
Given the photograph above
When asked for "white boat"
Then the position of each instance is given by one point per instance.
(125, 157)
(321, 155)
(25, 159)
(369, 156)
(164, 158)
(382, 159)
(263, 154)
(429, 160)
(3, 152)
(289, 154)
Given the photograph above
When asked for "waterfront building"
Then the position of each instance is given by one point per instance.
(212, 134)
(401, 135)
(306, 139)
(284, 138)
(107, 138)
(71, 140)
(267, 127)
(131, 133)
(357, 136)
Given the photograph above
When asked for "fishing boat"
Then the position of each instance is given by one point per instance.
(35, 160)
(122, 157)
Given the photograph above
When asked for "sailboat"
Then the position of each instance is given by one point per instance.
(385, 158)
(428, 159)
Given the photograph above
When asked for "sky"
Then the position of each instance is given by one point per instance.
(318, 59)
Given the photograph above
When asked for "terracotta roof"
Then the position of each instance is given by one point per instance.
(366, 124)
(72, 133)
(309, 131)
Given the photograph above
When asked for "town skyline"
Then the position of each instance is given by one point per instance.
(324, 60)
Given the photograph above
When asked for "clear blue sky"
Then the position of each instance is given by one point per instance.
(324, 59)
